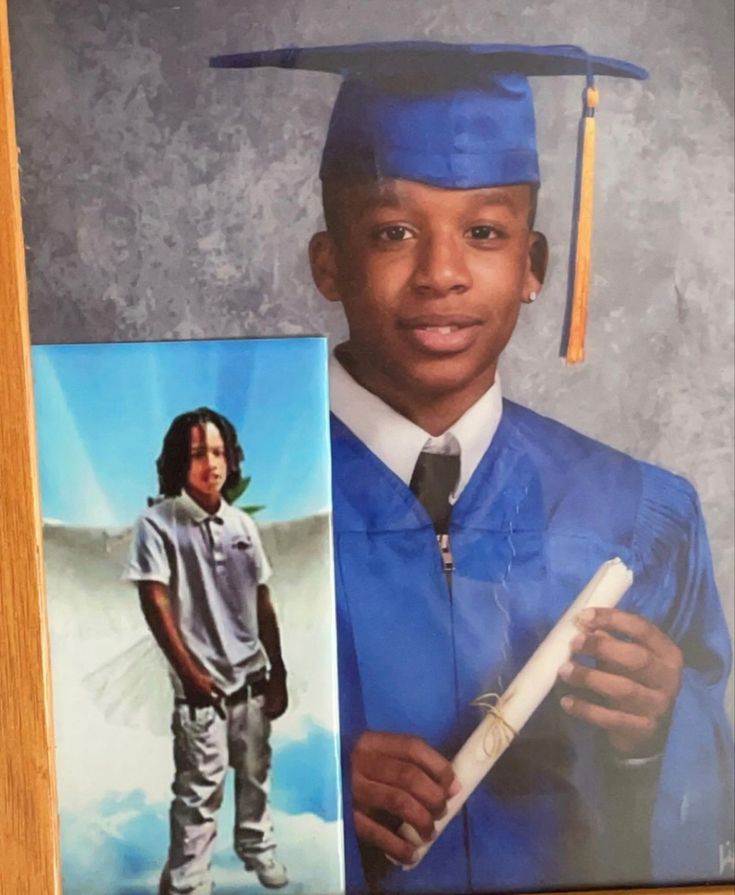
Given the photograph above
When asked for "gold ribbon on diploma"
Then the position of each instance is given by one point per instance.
(500, 735)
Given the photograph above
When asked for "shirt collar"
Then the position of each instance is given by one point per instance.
(398, 442)
(198, 514)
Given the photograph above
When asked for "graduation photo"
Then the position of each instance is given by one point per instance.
(514, 224)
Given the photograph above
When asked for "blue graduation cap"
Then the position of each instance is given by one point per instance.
(457, 116)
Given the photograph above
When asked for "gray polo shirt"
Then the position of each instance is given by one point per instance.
(212, 566)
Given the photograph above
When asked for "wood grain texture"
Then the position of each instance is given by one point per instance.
(29, 851)
(28, 817)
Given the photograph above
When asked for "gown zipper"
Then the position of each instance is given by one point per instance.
(445, 549)
(448, 567)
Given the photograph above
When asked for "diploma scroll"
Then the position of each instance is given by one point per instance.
(527, 691)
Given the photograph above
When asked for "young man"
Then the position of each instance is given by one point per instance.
(201, 573)
(465, 525)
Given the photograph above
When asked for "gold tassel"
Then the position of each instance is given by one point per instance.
(580, 295)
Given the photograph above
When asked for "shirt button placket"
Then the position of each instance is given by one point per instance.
(218, 553)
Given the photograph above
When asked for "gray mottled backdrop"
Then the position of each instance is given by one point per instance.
(162, 199)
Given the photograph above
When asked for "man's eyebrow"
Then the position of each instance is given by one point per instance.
(386, 197)
(382, 197)
(482, 198)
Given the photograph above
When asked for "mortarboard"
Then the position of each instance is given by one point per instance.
(457, 116)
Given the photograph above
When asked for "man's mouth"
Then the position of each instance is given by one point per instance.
(440, 334)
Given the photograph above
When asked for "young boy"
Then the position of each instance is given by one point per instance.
(465, 524)
(201, 573)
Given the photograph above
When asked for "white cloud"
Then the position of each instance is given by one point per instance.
(309, 847)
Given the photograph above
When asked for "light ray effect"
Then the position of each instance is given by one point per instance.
(103, 411)
(69, 483)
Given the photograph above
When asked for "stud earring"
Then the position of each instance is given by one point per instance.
(532, 296)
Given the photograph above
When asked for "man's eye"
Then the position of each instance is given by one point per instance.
(482, 232)
(394, 233)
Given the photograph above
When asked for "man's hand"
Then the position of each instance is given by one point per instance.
(200, 690)
(637, 679)
(401, 776)
(276, 696)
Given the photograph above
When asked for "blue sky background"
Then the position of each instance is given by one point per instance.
(102, 412)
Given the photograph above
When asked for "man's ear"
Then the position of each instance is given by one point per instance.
(538, 256)
(323, 260)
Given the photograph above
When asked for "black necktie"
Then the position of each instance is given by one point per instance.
(433, 480)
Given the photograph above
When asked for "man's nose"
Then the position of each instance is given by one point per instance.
(441, 266)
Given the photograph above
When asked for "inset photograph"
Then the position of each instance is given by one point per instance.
(186, 503)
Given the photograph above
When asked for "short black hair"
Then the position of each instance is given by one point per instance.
(175, 459)
(333, 199)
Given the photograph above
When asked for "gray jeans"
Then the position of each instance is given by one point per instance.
(205, 746)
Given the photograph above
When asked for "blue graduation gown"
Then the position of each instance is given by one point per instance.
(545, 507)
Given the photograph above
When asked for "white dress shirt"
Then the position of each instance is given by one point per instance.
(398, 442)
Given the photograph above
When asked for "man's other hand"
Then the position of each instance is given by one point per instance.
(634, 682)
(401, 776)
(200, 689)
(276, 696)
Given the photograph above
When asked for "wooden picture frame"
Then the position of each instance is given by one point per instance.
(29, 829)
(28, 822)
